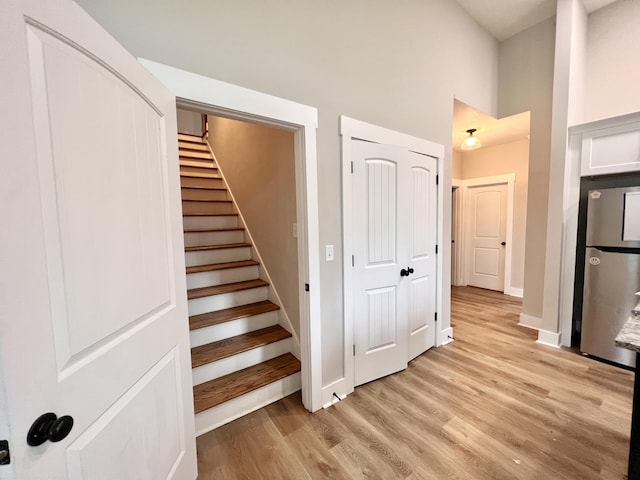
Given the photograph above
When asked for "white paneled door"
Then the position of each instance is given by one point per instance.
(422, 253)
(486, 217)
(92, 291)
(394, 196)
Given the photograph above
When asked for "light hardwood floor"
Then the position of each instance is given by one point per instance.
(491, 405)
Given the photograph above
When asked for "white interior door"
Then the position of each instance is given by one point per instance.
(422, 253)
(93, 314)
(379, 230)
(486, 234)
(394, 266)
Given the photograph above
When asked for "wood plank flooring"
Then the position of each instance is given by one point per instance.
(493, 404)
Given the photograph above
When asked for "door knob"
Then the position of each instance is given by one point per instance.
(49, 427)
(406, 272)
(503, 243)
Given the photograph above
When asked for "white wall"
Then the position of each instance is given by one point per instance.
(258, 163)
(526, 83)
(501, 160)
(613, 61)
(189, 122)
(394, 64)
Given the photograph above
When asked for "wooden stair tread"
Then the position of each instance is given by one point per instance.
(197, 162)
(216, 247)
(225, 288)
(204, 188)
(220, 390)
(203, 174)
(229, 314)
(227, 347)
(209, 214)
(205, 230)
(222, 266)
(209, 201)
(194, 154)
(188, 145)
(187, 137)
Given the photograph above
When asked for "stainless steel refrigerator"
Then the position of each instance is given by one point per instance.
(612, 270)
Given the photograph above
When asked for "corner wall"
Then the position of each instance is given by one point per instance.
(612, 67)
(526, 83)
(258, 163)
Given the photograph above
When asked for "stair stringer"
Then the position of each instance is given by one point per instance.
(283, 318)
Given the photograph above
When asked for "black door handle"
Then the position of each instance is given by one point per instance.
(406, 272)
(49, 427)
(503, 243)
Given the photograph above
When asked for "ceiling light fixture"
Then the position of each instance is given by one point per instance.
(470, 142)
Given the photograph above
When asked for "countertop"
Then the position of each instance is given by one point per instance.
(629, 336)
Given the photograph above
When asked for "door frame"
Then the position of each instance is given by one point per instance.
(215, 97)
(457, 263)
(508, 179)
(351, 129)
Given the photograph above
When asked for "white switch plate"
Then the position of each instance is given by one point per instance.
(328, 249)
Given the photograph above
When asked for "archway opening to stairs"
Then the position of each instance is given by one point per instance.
(241, 253)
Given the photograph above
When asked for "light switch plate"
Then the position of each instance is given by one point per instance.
(328, 249)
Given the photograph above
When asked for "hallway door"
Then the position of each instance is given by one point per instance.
(486, 233)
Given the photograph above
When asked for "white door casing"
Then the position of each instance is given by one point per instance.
(93, 316)
(486, 227)
(394, 229)
(422, 253)
(352, 129)
(224, 99)
(380, 231)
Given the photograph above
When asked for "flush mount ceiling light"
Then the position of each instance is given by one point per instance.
(470, 142)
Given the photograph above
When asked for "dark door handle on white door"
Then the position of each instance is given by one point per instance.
(503, 243)
(406, 272)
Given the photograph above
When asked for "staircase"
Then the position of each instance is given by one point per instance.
(241, 356)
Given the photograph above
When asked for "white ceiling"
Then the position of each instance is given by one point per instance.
(504, 18)
(490, 131)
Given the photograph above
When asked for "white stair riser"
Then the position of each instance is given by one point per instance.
(202, 336)
(195, 239)
(218, 277)
(206, 257)
(207, 208)
(226, 300)
(247, 403)
(204, 194)
(212, 221)
(241, 360)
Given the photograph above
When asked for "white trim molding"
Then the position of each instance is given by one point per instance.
(530, 321)
(514, 292)
(550, 339)
(508, 179)
(231, 101)
(352, 129)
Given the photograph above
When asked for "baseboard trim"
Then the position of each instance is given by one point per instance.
(550, 339)
(514, 292)
(446, 336)
(530, 321)
(340, 387)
